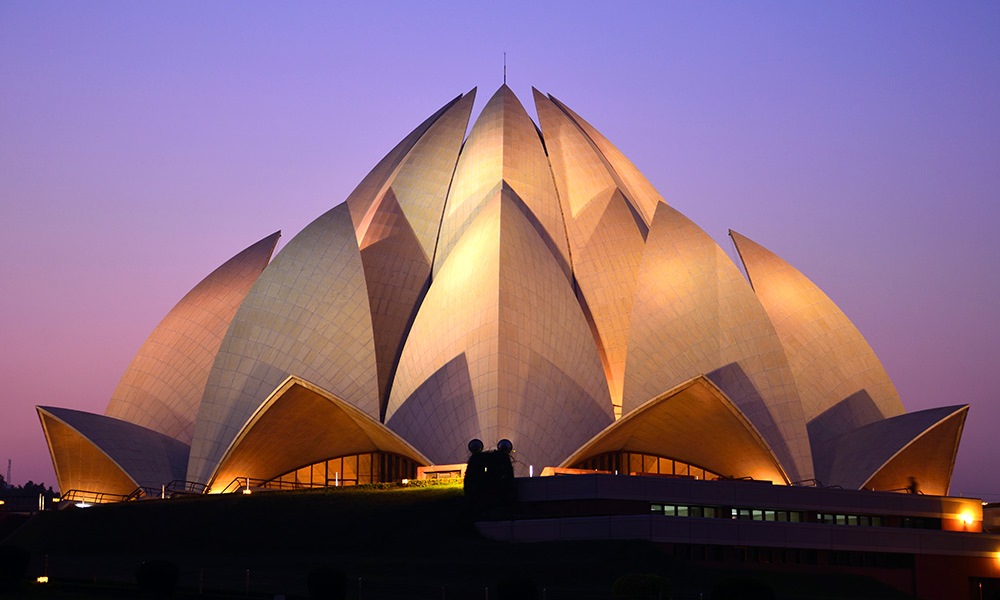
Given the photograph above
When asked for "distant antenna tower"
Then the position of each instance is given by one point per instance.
(7, 478)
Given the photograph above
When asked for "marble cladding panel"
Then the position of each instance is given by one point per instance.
(162, 386)
(309, 316)
(629, 179)
(503, 147)
(696, 314)
(829, 357)
(605, 239)
(367, 192)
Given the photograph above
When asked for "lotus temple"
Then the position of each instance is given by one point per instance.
(524, 282)
(525, 285)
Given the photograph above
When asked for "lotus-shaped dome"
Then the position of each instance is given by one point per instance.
(525, 282)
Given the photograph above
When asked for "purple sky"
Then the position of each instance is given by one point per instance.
(142, 145)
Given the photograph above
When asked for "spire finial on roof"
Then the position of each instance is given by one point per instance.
(505, 68)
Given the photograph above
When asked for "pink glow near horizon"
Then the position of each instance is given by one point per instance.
(142, 146)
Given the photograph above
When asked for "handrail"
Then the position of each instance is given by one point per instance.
(243, 483)
(92, 497)
(180, 487)
(253, 483)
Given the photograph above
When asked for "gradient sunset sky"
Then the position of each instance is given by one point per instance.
(143, 144)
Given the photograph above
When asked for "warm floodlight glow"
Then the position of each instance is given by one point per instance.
(82, 505)
(406, 481)
(246, 491)
(966, 518)
(42, 579)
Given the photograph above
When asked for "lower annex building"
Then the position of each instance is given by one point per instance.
(525, 282)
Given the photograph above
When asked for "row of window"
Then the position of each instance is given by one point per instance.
(356, 469)
(644, 464)
(791, 516)
(718, 512)
(878, 521)
(859, 520)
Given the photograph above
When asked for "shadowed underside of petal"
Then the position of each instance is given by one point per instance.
(96, 453)
(696, 423)
(301, 424)
(883, 455)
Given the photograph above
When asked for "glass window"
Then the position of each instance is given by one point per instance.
(350, 471)
(649, 463)
(682, 511)
(364, 468)
(656, 509)
(634, 463)
(769, 515)
(334, 471)
(758, 515)
(304, 476)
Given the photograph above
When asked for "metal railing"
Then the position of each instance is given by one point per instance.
(92, 497)
(252, 483)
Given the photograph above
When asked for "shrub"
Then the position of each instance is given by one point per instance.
(742, 588)
(517, 588)
(157, 577)
(641, 586)
(327, 583)
(14, 562)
